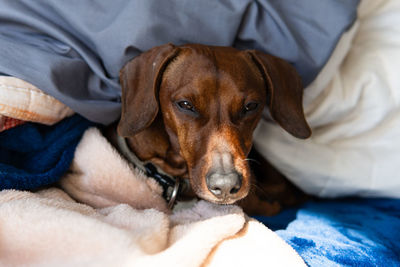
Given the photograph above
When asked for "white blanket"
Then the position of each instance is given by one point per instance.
(49, 228)
(353, 108)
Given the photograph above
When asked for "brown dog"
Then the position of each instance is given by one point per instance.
(192, 110)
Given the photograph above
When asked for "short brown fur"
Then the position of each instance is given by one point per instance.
(218, 82)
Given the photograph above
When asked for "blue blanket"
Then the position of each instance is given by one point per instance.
(349, 232)
(35, 155)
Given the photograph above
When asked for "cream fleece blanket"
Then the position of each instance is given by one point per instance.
(121, 220)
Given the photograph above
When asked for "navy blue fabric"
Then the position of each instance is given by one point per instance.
(34, 155)
(74, 49)
(350, 232)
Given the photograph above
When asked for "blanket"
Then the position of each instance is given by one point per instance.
(99, 217)
(39, 152)
(73, 50)
(344, 232)
(33, 155)
(130, 225)
(20, 100)
(353, 108)
(111, 214)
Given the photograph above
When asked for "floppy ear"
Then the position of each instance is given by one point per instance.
(284, 93)
(140, 79)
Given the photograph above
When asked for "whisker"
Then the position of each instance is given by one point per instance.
(255, 187)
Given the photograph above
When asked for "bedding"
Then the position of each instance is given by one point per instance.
(8, 123)
(343, 232)
(93, 218)
(38, 136)
(111, 214)
(73, 50)
(34, 155)
(353, 108)
(49, 228)
(23, 101)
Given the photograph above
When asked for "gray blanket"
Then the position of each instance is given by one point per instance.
(74, 49)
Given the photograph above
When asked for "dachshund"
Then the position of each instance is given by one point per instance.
(191, 110)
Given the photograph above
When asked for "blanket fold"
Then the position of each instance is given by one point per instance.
(204, 233)
(48, 228)
(101, 177)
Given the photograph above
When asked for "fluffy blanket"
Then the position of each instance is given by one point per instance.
(49, 228)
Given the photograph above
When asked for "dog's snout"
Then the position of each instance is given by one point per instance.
(224, 181)
(224, 185)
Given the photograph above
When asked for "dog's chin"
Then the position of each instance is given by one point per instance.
(226, 201)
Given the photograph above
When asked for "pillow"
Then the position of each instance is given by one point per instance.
(353, 108)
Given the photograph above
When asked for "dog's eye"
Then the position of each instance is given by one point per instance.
(186, 106)
(249, 107)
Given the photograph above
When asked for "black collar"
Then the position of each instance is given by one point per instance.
(171, 186)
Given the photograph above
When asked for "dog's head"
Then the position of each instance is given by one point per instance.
(210, 100)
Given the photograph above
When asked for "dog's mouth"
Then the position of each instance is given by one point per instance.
(226, 201)
(221, 200)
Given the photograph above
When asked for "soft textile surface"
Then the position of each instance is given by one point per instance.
(349, 232)
(34, 155)
(23, 101)
(100, 177)
(354, 110)
(48, 228)
(73, 50)
(8, 123)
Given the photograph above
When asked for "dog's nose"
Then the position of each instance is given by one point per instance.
(224, 185)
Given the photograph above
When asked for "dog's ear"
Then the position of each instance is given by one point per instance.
(284, 93)
(140, 80)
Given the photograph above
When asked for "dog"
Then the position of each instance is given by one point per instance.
(191, 111)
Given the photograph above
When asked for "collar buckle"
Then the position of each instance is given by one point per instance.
(171, 185)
